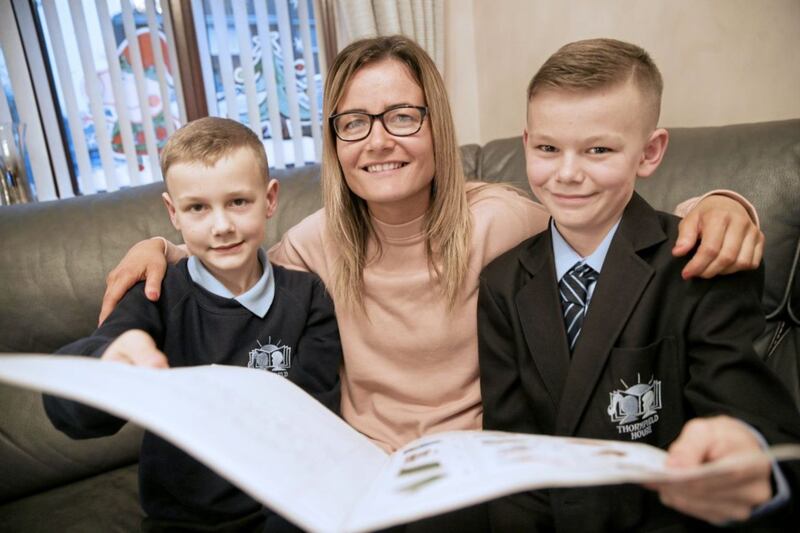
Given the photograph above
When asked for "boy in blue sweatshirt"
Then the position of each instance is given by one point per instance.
(226, 304)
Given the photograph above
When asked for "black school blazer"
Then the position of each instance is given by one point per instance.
(654, 352)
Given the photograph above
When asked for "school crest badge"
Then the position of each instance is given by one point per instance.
(635, 408)
(271, 357)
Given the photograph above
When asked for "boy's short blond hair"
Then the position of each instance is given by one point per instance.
(598, 63)
(209, 139)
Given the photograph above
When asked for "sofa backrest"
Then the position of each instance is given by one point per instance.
(55, 256)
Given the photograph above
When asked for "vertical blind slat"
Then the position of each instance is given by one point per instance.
(268, 71)
(173, 59)
(5, 111)
(287, 46)
(73, 117)
(246, 62)
(311, 77)
(325, 30)
(141, 89)
(161, 71)
(224, 57)
(120, 101)
(203, 49)
(23, 87)
(102, 138)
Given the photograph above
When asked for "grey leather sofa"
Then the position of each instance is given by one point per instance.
(54, 258)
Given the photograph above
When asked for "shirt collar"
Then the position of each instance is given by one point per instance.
(566, 256)
(257, 299)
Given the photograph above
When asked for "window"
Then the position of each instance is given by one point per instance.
(109, 91)
(244, 40)
(111, 69)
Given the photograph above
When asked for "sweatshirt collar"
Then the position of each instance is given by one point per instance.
(257, 299)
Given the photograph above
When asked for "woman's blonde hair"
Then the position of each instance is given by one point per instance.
(447, 221)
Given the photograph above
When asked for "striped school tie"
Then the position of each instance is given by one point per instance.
(573, 287)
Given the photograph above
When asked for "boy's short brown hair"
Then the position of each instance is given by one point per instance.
(597, 63)
(207, 140)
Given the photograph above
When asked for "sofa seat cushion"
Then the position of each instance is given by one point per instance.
(34, 456)
(109, 502)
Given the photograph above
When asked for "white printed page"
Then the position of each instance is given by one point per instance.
(447, 471)
(255, 428)
(443, 472)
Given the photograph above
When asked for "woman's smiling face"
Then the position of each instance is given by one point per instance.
(392, 174)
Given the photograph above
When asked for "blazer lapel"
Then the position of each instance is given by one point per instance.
(624, 277)
(539, 309)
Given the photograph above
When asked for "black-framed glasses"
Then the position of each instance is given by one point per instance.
(400, 121)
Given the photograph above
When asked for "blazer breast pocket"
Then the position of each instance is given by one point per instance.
(645, 396)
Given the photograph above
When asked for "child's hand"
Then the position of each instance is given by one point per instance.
(727, 496)
(135, 347)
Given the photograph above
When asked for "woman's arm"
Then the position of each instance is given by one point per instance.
(145, 261)
(729, 241)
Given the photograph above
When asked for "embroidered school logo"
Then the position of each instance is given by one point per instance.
(272, 357)
(634, 409)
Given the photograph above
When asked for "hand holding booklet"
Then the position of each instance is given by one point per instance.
(285, 449)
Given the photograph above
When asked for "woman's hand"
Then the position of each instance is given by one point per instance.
(729, 239)
(145, 261)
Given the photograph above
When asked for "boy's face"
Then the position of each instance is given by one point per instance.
(220, 211)
(583, 151)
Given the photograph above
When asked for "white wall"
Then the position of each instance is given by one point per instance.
(723, 61)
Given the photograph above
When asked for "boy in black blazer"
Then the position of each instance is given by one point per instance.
(588, 329)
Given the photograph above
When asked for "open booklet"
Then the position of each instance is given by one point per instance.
(285, 449)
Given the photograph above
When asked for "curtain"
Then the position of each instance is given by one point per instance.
(422, 20)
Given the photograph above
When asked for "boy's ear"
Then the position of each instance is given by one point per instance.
(272, 197)
(171, 210)
(653, 152)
